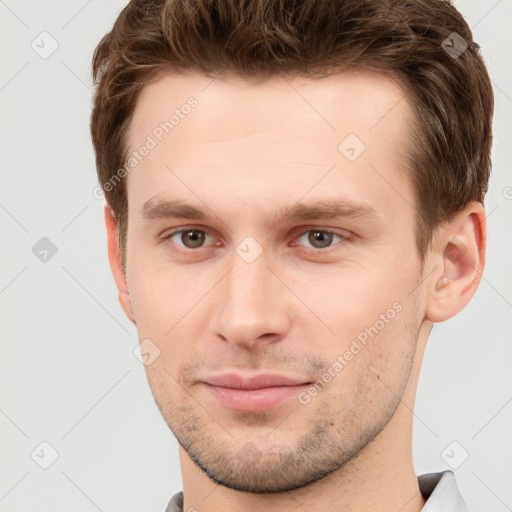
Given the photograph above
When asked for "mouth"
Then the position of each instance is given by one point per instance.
(257, 393)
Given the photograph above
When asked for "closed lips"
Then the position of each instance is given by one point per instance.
(261, 381)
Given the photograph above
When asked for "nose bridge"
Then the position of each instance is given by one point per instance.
(250, 308)
(247, 282)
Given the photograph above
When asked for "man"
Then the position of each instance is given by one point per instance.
(295, 195)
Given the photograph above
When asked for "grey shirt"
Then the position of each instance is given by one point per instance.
(439, 489)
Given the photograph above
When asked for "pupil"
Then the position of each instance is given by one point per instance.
(320, 239)
(195, 237)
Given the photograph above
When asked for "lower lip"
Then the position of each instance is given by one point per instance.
(254, 400)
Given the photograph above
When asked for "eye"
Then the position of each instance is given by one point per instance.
(190, 238)
(321, 238)
(193, 238)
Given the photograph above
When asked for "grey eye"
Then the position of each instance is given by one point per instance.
(321, 239)
(192, 238)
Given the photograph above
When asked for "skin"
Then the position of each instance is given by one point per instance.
(246, 153)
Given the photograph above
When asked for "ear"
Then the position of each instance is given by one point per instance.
(116, 265)
(458, 253)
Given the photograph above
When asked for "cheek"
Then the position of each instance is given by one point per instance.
(347, 302)
(169, 308)
(373, 318)
(376, 364)
(161, 295)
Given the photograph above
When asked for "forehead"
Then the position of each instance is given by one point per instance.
(286, 132)
(355, 100)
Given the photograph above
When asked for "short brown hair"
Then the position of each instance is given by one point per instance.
(425, 44)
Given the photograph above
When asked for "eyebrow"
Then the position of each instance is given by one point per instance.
(327, 209)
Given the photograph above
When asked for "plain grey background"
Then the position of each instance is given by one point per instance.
(69, 378)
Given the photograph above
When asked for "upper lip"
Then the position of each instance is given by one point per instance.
(266, 380)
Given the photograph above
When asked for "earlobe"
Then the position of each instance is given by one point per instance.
(116, 265)
(460, 248)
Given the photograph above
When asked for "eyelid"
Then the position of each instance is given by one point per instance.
(340, 232)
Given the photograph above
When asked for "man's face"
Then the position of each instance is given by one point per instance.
(268, 282)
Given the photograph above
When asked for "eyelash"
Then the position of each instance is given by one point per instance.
(167, 238)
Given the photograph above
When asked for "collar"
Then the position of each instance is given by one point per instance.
(441, 492)
(439, 489)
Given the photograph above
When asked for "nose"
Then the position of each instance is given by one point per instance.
(253, 308)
